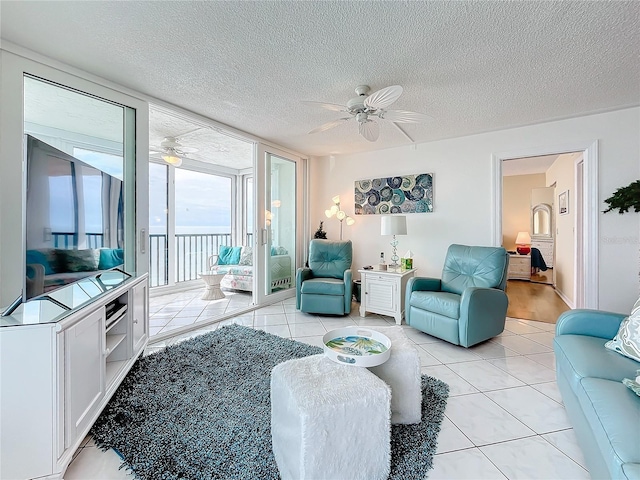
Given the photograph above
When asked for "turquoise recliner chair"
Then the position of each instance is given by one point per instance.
(468, 305)
(325, 286)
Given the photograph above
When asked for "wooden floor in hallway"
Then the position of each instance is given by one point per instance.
(534, 301)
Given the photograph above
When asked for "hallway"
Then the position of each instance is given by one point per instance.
(534, 301)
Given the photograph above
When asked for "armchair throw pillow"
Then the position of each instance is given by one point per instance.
(627, 340)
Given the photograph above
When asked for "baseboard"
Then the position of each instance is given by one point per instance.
(564, 298)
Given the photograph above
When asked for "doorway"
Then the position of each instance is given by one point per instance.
(575, 259)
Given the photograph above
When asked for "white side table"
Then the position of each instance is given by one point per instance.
(382, 292)
(212, 286)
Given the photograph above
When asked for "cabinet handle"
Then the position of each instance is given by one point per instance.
(135, 321)
(107, 352)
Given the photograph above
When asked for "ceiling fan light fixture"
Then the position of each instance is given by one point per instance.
(172, 159)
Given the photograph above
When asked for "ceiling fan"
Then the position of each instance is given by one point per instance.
(172, 151)
(365, 108)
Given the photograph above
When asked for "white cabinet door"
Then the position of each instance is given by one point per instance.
(139, 315)
(381, 294)
(84, 373)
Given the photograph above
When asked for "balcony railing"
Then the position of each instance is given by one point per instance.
(68, 240)
(192, 253)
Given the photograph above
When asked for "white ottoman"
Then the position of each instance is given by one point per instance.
(329, 421)
(402, 374)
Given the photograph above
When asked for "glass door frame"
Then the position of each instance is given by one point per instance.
(172, 285)
(261, 177)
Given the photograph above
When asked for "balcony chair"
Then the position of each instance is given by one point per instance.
(325, 286)
(468, 305)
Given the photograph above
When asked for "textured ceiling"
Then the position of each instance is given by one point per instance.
(213, 147)
(473, 66)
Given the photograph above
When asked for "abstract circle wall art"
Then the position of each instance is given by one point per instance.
(402, 194)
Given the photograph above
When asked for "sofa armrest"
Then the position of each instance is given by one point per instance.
(302, 274)
(212, 261)
(483, 312)
(594, 323)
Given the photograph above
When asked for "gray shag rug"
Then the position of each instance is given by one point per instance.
(201, 410)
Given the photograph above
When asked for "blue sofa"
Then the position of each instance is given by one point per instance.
(605, 414)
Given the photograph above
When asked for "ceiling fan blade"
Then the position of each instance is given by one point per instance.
(328, 125)
(383, 97)
(370, 130)
(404, 116)
(182, 149)
(327, 106)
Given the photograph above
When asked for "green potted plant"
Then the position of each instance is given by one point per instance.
(624, 198)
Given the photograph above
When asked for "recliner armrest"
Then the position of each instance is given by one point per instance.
(416, 284)
(483, 313)
(594, 323)
(302, 274)
(348, 285)
(424, 283)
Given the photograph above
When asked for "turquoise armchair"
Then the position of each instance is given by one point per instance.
(325, 287)
(468, 305)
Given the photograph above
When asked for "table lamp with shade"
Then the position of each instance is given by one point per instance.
(394, 225)
(523, 243)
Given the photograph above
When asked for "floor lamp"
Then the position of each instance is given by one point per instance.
(340, 214)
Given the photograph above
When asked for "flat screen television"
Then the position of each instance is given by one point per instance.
(74, 219)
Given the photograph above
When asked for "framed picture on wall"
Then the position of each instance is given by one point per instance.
(563, 203)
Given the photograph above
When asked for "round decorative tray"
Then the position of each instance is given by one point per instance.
(357, 346)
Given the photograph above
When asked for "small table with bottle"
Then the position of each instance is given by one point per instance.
(383, 289)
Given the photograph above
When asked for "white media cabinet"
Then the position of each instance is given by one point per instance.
(59, 368)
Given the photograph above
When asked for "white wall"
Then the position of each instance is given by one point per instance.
(562, 175)
(463, 195)
(516, 206)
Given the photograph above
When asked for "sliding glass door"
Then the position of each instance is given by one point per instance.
(280, 208)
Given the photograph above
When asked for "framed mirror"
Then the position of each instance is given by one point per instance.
(541, 220)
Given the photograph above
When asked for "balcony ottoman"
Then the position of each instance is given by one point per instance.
(329, 421)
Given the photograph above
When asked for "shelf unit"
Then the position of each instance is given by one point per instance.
(63, 372)
(116, 331)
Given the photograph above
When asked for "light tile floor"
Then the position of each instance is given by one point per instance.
(504, 417)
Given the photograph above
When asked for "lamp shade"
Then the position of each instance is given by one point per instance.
(523, 238)
(393, 225)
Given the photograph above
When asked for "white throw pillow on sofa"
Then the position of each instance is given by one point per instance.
(627, 340)
(246, 256)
